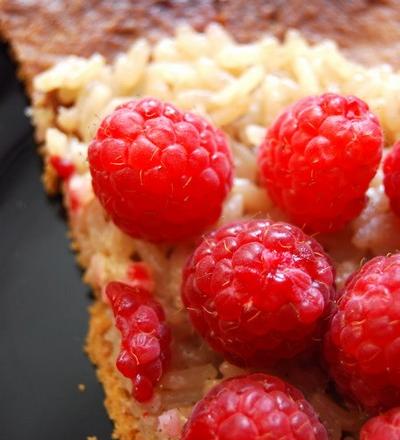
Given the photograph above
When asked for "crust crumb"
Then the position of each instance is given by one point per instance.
(82, 388)
(50, 179)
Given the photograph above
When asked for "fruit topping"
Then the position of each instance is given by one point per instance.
(362, 346)
(64, 167)
(259, 291)
(391, 180)
(145, 345)
(161, 174)
(318, 159)
(254, 407)
(383, 427)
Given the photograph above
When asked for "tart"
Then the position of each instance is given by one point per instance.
(238, 87)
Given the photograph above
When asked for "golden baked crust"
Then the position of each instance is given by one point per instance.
(99, 350)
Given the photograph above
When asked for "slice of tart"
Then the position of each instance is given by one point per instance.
(235, 88)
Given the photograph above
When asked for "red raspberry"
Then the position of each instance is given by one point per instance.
(63, 167)
(383, 427)
(362, 347)
(139, 274)
(161, 174)
(254, 407)
(145, 350)
(391, 170)
(258, 291)
(318, 159)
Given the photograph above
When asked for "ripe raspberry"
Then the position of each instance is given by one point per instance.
(161, 174)
(145, 350)
(318, 158)
(391, 180)
(258, 291)
(383, 427)
(254, 407)
(362, 346)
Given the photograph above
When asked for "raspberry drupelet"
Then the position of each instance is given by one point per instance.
(391, 179)
(318, 159)
(258, 291)
(161, 174)
(254, 407)
(362, 346)
(145, 345)
(63, 167)
(383, 427)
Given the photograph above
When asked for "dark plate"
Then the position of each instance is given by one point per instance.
(43, 302)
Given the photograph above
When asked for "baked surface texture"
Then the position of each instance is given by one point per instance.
(367, 29)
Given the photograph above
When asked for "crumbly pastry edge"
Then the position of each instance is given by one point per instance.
(99, 350)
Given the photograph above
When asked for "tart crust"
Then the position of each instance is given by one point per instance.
(99, 350)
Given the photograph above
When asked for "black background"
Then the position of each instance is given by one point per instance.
(43, 302)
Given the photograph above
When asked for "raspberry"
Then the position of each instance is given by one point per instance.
(161, 174)
(139, 274)
(391, 180)
(145, 345)
(78, 192)
(258, 291)
(254, 407)
(383, 427)
(63, 167)
(318, 159)
(362, 346)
